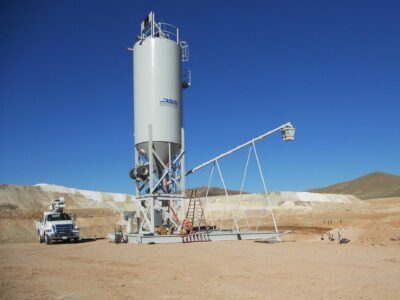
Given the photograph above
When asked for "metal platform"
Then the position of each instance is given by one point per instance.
(212, 236)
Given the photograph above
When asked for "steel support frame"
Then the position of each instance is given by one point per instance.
(150, 192)
(235, 214)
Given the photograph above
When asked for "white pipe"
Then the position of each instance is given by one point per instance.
(259, 138)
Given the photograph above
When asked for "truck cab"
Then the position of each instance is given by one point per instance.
(57, 225)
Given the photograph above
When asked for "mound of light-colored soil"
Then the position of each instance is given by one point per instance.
(40, 197)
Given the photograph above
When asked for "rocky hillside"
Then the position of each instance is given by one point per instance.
(40, 196)
(374, 185)
(214, 191)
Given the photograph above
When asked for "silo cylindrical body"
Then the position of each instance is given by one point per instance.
(158, 95)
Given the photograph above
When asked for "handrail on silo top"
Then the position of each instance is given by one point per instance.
(163, 30)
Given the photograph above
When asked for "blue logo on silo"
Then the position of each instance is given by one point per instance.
(169, 101)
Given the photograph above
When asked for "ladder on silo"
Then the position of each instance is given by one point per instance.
(189, 231)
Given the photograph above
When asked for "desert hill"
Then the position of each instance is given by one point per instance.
(374, 185)
(214, 191)
(97, 213)
(39, 196)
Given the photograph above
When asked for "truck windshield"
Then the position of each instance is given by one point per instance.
(58, 217)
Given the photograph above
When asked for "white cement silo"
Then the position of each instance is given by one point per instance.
(159, 170)
(158, 93)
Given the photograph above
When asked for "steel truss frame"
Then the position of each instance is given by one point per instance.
(287, 131)
(164, 187)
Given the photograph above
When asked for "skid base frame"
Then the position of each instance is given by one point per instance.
(213, 236)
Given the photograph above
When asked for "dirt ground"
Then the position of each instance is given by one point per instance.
(303, 266)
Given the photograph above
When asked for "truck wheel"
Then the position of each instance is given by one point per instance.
(76, 240)
(40, 239)
(47, 239)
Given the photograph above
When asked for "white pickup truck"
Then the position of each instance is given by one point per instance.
(57, 225)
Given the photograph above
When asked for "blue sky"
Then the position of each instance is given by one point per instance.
(332, 68)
